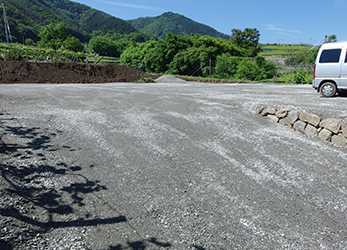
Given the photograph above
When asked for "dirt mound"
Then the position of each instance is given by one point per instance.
(33, 72)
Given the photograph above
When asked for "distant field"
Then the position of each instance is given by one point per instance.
(105, 60)
(292, 72)
(270, 50)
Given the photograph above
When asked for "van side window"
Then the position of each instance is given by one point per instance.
(346, 57)
(330, 56)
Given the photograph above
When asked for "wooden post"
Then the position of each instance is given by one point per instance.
(210, 68)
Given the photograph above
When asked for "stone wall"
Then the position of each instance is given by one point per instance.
(332, 129)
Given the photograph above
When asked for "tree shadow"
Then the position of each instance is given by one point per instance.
(22, 181)
(23, 176)
(141, 245)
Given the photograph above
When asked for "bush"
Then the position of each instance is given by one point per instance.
(300, 77)
(250, 70)
(104, 46)
(226, 66)
(285, 78)
(73, 44)
(29, 42)
(21, 52)
(269, 67)
(189, 56)
(258, 69)
(308, 57)
(190, 62)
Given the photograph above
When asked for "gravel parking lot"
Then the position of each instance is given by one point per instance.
(180, 165)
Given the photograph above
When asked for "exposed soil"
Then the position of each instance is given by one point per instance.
(34, 72)
(39, 72)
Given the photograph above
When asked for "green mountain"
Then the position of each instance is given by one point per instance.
(26, 17)
(176, 24)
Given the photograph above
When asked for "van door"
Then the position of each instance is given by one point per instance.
(329, 65)
(343, 80)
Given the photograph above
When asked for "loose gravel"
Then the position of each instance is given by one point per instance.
(167, 166)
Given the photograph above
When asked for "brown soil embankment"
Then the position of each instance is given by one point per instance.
(34, 72)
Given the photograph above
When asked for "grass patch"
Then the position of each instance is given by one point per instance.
(144, 80)
(270, 50)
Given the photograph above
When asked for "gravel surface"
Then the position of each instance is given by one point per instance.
(167, 166)
(169, 79)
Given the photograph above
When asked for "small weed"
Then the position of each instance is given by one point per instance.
(300, 77)
(144, 80)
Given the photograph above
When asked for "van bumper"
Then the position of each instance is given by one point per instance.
(315, 85)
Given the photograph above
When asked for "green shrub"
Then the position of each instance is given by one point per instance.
(190, 62)
(300, 77)
(250, 70)
(308, 56)
(226, 66)
(285, 78)
(29, 42)
(21, 52)
(309, 78)
(269, 67)
(144, 80)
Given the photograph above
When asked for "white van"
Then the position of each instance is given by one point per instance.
(330, 70)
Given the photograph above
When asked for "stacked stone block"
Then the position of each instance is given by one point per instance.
(332, 129)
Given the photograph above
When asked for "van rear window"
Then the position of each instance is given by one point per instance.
(330, 56)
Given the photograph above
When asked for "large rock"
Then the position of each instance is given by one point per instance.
(286, 121)
(325, 134)
(331, 124)
(273, 118)
(268, 111)
(310, 118)
(311, 130)
(256, 109)
(281, 113)
(293, 116)
(339, 140)
(300, 126)
(344, 129)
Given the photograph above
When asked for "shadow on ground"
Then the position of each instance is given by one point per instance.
(25, 196)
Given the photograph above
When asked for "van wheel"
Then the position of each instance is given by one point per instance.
(328, 89)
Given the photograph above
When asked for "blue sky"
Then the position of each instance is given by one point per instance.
(288, 22)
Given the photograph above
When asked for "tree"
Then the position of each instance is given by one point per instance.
(169, 48)
(226, 66)
(142, 57)
(53, 35)
(191, 61)
(268, 67)
(29, 42)
(248, 39)
(250, 70)
(331, 39)
(189, 55)
(73, 44)
(103, 46)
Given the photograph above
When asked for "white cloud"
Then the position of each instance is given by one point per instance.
(274, 28)
(134, 6)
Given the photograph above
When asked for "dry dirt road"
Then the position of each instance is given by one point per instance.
(167, 166)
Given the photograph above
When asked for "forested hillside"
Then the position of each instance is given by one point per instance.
(177, 24)
(27, 17)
